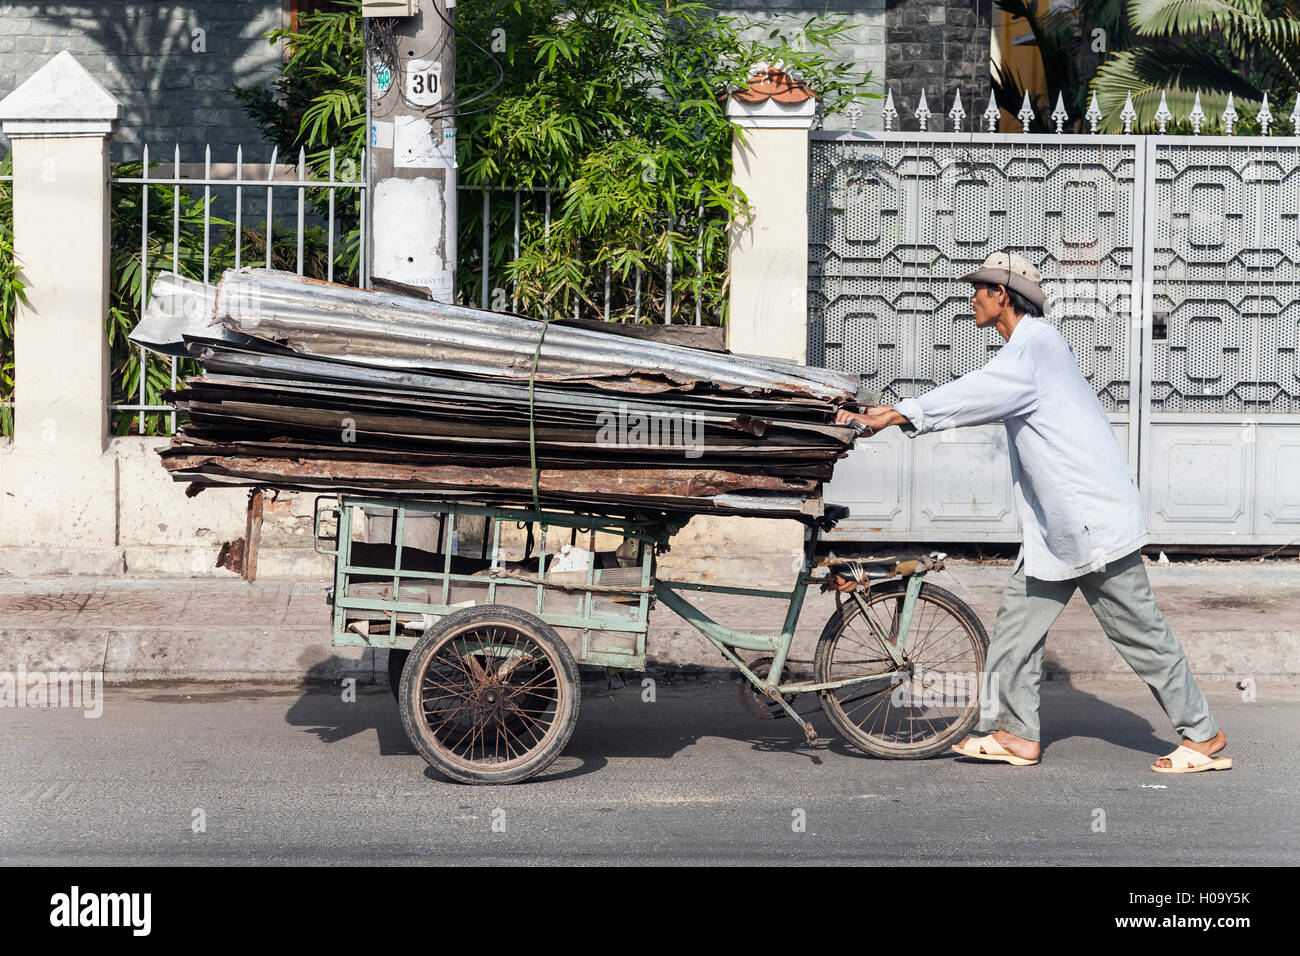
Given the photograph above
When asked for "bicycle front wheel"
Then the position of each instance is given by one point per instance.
(909, 712)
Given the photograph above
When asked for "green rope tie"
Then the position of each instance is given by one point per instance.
(532, 418)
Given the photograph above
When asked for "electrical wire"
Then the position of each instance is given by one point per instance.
(385, 47)
(501, 74)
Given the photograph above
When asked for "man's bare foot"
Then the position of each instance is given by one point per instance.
(1208, 747)
(1029, 749)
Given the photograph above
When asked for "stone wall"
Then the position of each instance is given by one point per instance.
(940, 46)
(171, 64)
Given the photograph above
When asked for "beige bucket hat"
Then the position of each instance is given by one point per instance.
(1013, 271)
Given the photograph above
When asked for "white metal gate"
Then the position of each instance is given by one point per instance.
(1220, 414)
(1193, 239)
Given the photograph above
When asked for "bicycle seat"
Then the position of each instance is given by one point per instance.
(873, 570)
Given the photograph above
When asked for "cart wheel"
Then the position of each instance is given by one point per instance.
(396, 660)
(490, 695)
(918, 711)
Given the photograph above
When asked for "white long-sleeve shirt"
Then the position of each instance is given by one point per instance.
(1078, 505)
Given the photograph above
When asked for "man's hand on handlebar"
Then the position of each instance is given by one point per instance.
(874, 419)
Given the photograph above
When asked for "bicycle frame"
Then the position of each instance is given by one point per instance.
(727, 640)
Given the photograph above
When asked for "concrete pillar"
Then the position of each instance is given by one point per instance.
(768, 309)
(769, 255)
(412, 153)
(59, 486)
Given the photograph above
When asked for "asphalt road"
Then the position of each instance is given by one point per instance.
(302, 777)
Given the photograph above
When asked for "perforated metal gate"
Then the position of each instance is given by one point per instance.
(1220, 416)
(1128, 231)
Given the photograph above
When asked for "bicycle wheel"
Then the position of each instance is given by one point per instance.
(490, 695)
(922, 708)
(396, 661)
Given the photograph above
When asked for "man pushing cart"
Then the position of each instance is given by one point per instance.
(1080, 513)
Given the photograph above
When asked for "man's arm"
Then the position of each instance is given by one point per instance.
(873, 419)
(1004, 388)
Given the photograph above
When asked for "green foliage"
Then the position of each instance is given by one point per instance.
(1211, 47)
(11, 293)
(1071, 42)
(329, 52)
(1176, 47)
(317, 107)
(318, 100)
(174, 243)
(1058, 40)
(613, 104)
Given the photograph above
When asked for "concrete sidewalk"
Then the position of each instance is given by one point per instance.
(1235, 620)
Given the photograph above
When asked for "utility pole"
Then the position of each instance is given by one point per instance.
(411, 56)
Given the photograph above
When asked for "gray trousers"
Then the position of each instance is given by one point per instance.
(1120, 596)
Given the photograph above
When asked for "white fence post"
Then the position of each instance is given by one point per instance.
(60, 487)
(769, 256)
(768, 305)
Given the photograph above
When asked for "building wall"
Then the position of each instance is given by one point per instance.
(173, 80)
(941, 46)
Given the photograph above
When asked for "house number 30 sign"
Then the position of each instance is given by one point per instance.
(423, 82)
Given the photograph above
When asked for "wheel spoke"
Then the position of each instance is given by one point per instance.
(449, 688)
(490, 697)
(941, 643)
(516, 689)
(526, 747)
(925, 641)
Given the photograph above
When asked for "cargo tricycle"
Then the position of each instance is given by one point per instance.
(484, 648)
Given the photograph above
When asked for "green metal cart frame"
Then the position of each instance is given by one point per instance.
(613, 636)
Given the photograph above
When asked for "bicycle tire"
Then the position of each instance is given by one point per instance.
(844, 706)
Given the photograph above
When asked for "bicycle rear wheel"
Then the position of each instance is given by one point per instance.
(917, 710)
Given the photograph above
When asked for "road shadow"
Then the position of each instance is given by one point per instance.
(1068, 710)
(324, 711)
(624, 730)
(625, 724)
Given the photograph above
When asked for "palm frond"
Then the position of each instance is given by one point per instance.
(1235, 19)
(1179, 73)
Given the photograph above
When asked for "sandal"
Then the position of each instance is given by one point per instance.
(986, 748)
(1187, 760)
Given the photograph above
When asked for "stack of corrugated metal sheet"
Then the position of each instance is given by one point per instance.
(308, 385)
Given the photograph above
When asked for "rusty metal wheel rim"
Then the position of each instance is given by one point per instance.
(491, 697)
(940, 643)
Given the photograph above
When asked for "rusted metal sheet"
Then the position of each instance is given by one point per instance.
(339, 321)
(709, 337)
(637, 483)
(240, 555)
(308, 385)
